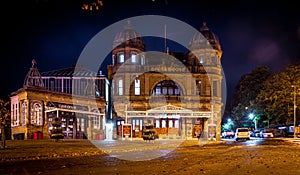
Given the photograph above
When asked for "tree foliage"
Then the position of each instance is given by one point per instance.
(248, 88)
(277, 96)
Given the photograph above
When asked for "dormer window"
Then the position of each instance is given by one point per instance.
(121, 57)
(133, 57)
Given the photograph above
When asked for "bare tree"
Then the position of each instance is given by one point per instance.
(4, 119)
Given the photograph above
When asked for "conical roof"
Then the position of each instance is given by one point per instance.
(33, 77)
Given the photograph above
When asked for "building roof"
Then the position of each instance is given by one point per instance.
(205, 38)
(72, 71)
(128, 37)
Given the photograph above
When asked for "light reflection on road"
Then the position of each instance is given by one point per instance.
(137, 150)
(252, 142)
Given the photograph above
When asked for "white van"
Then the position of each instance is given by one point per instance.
(242, 133)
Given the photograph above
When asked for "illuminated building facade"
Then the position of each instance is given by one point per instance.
(179, 93)
(77, 98)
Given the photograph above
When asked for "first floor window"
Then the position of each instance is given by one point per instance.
(170, 123)
(97, 122)
(176, 125)
(36, 114)
(157, 124)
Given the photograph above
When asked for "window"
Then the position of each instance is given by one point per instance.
(157, 123)
(24, 113)
(133, 58)
(36, 116)
(215, 88)
(97, 122)
(163, 123)
(157, 91)
(133, 124)
(121, 57)
(137, 87)
(143, 60)
(176, 124)
(80, 124)
(170, 123)
(166, 88)
(199, 84)
(120, 87)
(201, 59)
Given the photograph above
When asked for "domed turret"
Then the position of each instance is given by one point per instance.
(130, 38)
(204, 38)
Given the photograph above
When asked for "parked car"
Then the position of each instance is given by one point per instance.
(242, 134)
(228, 134)
(257, 133)
(267, 132)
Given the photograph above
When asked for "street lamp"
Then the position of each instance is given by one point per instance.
(252, 117)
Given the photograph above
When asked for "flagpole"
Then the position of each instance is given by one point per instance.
(165, 38)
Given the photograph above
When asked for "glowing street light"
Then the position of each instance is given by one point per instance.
(252, 117)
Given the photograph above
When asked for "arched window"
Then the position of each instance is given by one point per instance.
(133, 57)
(24, 113)
(121, 57)
(37, 115)
(166, 87)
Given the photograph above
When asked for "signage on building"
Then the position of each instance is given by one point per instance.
(67, 106)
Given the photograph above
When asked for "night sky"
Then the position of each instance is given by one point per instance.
(54, 32)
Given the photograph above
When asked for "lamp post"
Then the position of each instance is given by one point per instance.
(294, 86)
(251, 116)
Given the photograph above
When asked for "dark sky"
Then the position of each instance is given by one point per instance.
(54, 32)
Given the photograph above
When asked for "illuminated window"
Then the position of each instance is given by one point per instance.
(176, 125)
(80, 124)
(157, 90)
(201, 59)
(157, 123)
(199, 84)
(133, 57)
(36, 116)
(96, 122)
(163, 123)
(166, 88)
(121, 57)
(170, 123)
(120, 87)
(133, 124)
(137, 87)
(143, 60)
(24, 113)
